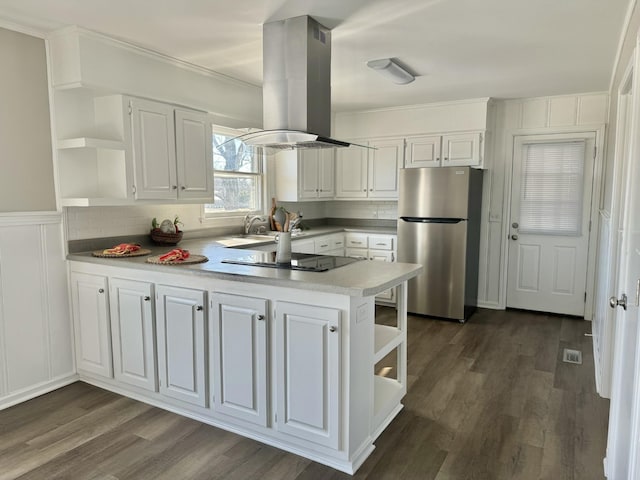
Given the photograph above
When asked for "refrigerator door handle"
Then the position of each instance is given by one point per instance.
(431, 220)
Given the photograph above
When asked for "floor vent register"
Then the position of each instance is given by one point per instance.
(572, 356)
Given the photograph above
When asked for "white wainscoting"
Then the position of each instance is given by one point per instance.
(36, 349)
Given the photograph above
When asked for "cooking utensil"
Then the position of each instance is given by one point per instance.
(280, 217)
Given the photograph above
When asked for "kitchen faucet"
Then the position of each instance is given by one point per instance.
(249, 220)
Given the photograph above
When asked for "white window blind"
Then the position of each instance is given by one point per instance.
(552, 188)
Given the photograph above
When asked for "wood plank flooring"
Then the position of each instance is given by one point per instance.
(488, 400)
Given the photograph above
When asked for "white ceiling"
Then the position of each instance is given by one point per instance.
(458, 48)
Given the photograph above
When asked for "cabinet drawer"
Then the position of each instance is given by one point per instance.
(323, 244)
(337, 241)
(357, 240)
(357, 253)
(381, 242)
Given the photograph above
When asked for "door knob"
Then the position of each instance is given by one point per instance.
(622, 302)
(515, 225)
(514, 237)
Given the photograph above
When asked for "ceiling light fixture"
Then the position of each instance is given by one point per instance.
(390, 69)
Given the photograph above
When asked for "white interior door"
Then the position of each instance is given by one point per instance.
(623, 459)
(549, 231)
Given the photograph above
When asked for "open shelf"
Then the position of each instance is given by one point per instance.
(88, 142)
(387, 395)
(386, 338)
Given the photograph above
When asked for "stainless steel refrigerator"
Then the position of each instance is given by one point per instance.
(439, 227)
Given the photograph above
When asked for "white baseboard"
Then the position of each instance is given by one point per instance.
(491, 305)
(36, 390)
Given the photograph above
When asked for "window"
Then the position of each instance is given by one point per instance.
(552, 188)
(238, 178)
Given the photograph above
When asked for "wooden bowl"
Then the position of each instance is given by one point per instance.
(161, 238)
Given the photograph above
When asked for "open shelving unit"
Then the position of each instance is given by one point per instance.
(390, 345)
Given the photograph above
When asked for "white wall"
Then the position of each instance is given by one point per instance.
(26, 168)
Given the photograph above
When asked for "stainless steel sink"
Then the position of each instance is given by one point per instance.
(255, 236)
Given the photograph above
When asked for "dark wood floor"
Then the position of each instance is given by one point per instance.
(487, 400)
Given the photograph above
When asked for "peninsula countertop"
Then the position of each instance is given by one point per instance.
(359, 279)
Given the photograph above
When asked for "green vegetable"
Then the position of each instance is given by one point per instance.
(154, 223)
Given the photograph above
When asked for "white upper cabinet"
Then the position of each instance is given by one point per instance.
(383, 167)
(154, 150)
(451, 150)
(172, 152)
(423, 151)
(351, 172)
(123, 150)
(369, 173)
(306, 174)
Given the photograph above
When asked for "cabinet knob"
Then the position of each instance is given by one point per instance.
(147, 298)
(199, 308)
(437, 159)
(333, 329)
(183, 187)
(364, 190)
(260, 317)
(175, 187)
(446, 158)
(101, 290)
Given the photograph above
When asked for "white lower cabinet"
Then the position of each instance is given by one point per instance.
(133, 333)
(308, 372)
(181, 343)
(284, 369)
(239, 363)
(375, 247)
(90, 304)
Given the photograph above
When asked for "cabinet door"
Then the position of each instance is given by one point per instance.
(154, 151)
(308, 372)
(423, 152)
(90, 306)
(238, 339)
(351, 172)
(461, 150)
(326, 172)
(181, 344)
(194, 155)
(384, 167)
(308, 161)
(133, 333)
(303, 246)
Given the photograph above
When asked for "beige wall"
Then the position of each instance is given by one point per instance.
(26, 165)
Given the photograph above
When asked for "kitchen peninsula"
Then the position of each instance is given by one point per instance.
(282, 356)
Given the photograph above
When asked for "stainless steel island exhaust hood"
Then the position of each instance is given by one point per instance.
(296, 87)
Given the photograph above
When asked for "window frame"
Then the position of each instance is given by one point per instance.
(260, 175)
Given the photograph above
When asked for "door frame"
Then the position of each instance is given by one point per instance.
(596, 201)
(621, 163)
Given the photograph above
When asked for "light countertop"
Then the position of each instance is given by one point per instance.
(359, 279)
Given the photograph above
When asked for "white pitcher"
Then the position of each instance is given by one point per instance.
(283, 250)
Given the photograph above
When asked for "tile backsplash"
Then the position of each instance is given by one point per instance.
(97, 222)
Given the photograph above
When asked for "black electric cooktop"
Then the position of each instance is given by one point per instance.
(299, 261)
